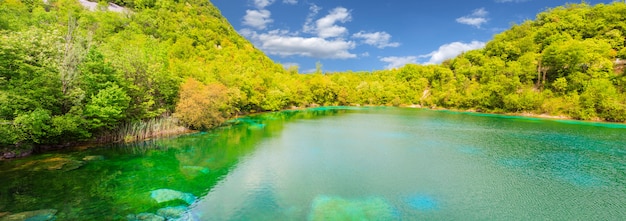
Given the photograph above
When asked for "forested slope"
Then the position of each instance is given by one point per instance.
(569, 61)
(67, 74)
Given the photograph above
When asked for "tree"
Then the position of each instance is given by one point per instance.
(202, 106)
(107, 108)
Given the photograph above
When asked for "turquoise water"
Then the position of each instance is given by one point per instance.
(338, 164)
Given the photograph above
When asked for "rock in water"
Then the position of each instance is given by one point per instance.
(37, 215)
(172, 212)
(144, 217)
(165, 195)
(196, 169)
(53, 163)
(337, 208)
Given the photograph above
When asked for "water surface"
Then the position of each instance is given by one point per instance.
(340, 163)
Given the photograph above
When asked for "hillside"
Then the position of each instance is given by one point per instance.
(565, 62)
(568, 62)
(68, 74)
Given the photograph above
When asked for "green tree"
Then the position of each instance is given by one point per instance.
(107, 108)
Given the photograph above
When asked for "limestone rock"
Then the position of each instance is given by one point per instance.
(145, 217)
(172, 212)
(165, 195)
(36, 215)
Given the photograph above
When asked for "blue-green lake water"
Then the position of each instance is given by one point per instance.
(337, 164)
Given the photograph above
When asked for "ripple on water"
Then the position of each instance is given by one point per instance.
(565, 167)
(579, 178)
(470, 150)
(396, 135)
(514, 163)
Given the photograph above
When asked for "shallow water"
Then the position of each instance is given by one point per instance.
(340, 163)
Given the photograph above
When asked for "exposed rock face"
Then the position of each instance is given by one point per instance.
(93, 6)
(36, 215)
(619, 66)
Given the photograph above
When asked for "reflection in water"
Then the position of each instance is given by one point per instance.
(337, 163)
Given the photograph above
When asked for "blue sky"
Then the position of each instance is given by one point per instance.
(364, 35)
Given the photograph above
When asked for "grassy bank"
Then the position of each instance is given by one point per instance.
(125, 133)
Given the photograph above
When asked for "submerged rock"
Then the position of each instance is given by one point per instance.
(144, 217)
(13, 154)
(93, 158)
(53, 163)
(165, 195)
(172, 212)
(256, 126)
(36, 215)
(196, 169)
(337, 208)
(187, 216)
(421, 202)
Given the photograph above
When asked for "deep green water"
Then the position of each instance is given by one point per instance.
(340, 163)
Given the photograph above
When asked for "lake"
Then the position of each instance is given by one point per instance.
(336, 163)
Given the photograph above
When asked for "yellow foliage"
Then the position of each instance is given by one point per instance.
(202, 106)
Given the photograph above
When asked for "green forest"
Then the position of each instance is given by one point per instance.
(69, 75)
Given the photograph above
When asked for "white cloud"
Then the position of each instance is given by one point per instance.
(283, 43)
(291, 2)
(263, 3)
(257, 18)
(481, 12)
(321, 38)
(308, 26)
(326, 27)
(396, 62)
(377, 39)
(476, 19)
(451, 50)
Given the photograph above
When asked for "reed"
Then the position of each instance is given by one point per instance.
(143, 130)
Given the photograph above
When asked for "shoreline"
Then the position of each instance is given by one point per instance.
(524, 114)
(6, 154)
